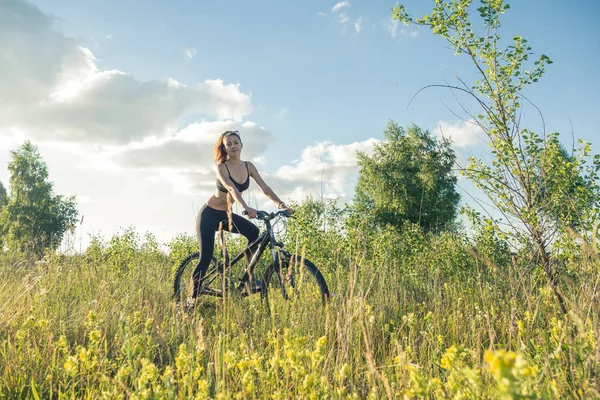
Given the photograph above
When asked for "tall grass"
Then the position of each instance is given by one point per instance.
(412, 315)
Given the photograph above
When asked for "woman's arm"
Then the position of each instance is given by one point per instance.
(235, 193)
(266, 189)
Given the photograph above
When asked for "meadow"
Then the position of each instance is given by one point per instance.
(412, 315)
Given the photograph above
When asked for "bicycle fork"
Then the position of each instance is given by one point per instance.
(278, 262)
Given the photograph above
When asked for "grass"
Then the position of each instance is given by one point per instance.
(415, 316)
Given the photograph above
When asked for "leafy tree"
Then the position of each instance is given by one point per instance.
(408, 178)
(541, 191)
(3, 196)
(34, 218)
(564, 190)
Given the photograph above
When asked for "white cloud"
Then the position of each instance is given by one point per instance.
(321, 14)
(185, 160)
(324, 168)
(190, 53)
(357, 25)
(51, 88)
(338, 6)
(84, 199)
(461, 133)
(392, 26)
(343, 18)
(259, 160)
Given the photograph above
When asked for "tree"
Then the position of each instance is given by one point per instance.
(3, 196)
(34, 218)
(408, 178)
(540, 191)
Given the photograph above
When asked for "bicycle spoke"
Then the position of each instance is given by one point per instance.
(299, 285)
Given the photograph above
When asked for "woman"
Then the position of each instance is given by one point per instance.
(231, 170)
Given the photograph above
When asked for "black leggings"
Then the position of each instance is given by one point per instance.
(207, 224)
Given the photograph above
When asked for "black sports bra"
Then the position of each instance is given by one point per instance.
(240, 186)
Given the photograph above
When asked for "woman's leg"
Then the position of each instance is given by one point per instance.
(207, 224)
(245, 227)
(249, 230)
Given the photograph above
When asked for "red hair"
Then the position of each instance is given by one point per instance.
(219, 151)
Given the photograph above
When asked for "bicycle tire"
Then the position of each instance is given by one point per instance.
(183, 284)
(298, 290)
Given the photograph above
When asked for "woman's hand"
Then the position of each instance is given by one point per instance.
(251, 212)
(283, 206)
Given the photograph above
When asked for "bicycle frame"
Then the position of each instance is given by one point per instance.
(267, 238)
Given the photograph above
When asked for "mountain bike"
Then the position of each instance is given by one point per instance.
(287, 278)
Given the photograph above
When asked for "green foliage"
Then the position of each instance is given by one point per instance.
(3, 196)
(34, 218)
(408, 179)
(180, 247)
(3, 202)
(542, 192)
(122, 250)
(418, 317)
(125, 251)
(566, 187)
(317, 225)
(491, 246)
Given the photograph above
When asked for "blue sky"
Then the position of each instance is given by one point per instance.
(310, 82)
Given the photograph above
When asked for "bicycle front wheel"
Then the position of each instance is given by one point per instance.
(183, 283)
(299, 282)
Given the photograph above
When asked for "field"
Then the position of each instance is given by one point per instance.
(413, 315)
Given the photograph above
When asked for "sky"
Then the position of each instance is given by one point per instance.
(125, 99)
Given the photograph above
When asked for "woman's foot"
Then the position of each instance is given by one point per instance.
(189, 305)
(254, 286)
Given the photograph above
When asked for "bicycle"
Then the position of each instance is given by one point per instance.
(288, 277)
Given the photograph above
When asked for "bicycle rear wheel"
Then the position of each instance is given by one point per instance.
(299, 283)
(183, 284)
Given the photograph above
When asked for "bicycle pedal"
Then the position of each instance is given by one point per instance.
(256, 286)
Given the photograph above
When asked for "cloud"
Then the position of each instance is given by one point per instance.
(343, 18)
(462, 133)
(393, 28)
(338, 6)
(191, 147)
(52, 88)
(324, 168)
(185, 160)
(357, 25)
(84, 199)
(190, 53)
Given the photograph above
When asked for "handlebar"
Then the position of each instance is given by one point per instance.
(265, 216)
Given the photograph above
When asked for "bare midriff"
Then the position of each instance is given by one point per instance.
(218, 201)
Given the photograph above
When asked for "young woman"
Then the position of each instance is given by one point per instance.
(233, 177)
